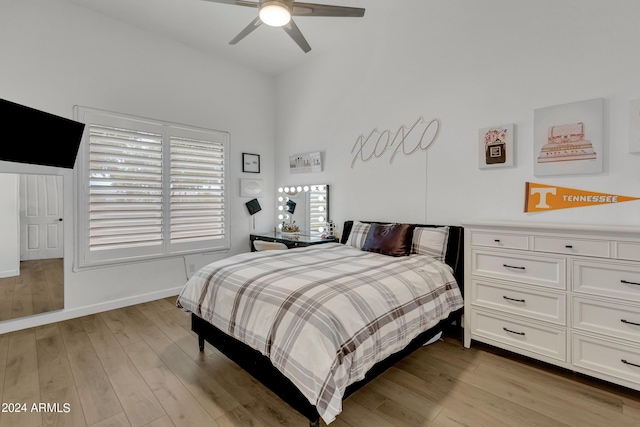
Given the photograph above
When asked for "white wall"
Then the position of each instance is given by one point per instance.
(9, 214)
(55, 55)
(470, 64)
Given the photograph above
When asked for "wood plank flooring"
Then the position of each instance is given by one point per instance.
(140, 366)
(38, 289)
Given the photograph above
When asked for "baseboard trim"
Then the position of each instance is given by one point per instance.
(9, 273)
(67, 314)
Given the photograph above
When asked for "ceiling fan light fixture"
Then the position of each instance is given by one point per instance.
(274, 13)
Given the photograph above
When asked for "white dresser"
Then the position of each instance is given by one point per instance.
(561, 293)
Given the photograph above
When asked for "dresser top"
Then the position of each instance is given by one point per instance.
(572, 228)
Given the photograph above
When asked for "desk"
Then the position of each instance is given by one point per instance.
(292, 241)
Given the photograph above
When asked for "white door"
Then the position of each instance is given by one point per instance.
(41, 218)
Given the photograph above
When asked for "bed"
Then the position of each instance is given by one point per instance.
(315, 324)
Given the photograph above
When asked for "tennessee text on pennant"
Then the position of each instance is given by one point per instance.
(541, 197)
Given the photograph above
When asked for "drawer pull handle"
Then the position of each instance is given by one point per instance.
(629, 283)
(629, 363)
(568, 246)
(513, 332)
(629, 323)
(511, 266)
(513, 299)
(497, 240)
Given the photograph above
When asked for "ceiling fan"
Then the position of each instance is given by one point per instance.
(278, 13)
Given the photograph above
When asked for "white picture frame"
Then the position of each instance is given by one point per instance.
(305, 163)
(568, 139)
(251, 187)
(496, 146)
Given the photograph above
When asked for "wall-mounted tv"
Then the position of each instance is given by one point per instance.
(36, 137)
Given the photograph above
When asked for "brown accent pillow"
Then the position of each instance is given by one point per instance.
(389, 239)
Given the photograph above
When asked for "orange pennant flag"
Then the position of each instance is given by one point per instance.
(541, 197)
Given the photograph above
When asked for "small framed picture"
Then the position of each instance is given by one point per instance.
(496, 146)
(250, 163)
(250, 187)
(303, 163)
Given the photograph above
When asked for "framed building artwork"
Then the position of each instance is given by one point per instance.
(304, 163)
(634, 127)
(568, 139)
(496, 146)
(250, 163)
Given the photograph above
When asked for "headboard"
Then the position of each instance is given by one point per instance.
(455, 247)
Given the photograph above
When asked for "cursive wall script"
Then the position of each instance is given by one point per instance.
(420, 136)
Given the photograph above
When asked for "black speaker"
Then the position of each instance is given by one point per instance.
(36, 137)
(253, 206)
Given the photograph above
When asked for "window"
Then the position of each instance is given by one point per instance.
(148, 189)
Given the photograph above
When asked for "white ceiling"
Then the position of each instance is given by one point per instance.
(209, 27)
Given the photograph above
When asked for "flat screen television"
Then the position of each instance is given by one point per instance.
(36, 137)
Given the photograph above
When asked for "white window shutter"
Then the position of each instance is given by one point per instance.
(197, 202)
(125, 188)
(148, 189)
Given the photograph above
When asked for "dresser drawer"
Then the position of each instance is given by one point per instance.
(499, 240)
(619, 280)
(585, 247)
(533, 303)
(520, 267)
(614, 320)
(629, 250)
(605, 357)
(520, 334)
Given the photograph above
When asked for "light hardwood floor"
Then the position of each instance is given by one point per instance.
(39, 288)
(140, 366)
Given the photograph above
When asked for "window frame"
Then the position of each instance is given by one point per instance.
(86, 259)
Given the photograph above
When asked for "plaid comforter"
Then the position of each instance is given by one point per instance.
(323, 314)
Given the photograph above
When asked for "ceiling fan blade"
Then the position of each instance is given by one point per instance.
(236, 2)
(294, 32)
(312, 9)
(247, 30)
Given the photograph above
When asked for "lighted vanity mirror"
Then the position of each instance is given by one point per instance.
(303, 206)
(31, 244)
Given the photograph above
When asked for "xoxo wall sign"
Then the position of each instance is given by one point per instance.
(406, 140)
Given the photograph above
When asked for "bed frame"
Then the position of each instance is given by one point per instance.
(260, 366)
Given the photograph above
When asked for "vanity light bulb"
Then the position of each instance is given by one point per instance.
(321, 229)
(279, 225)
(320, 219)
(321, 188)
(321, 208)
(286, 189)
(280, 190)
(280, 208)
(280, 216)
(287, 217)
(306, 188)
(321, 198)
(280, 199)
(313, 188)
(299, 188)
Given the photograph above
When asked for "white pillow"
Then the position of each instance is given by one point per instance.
(358, 234)
(430, 241)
